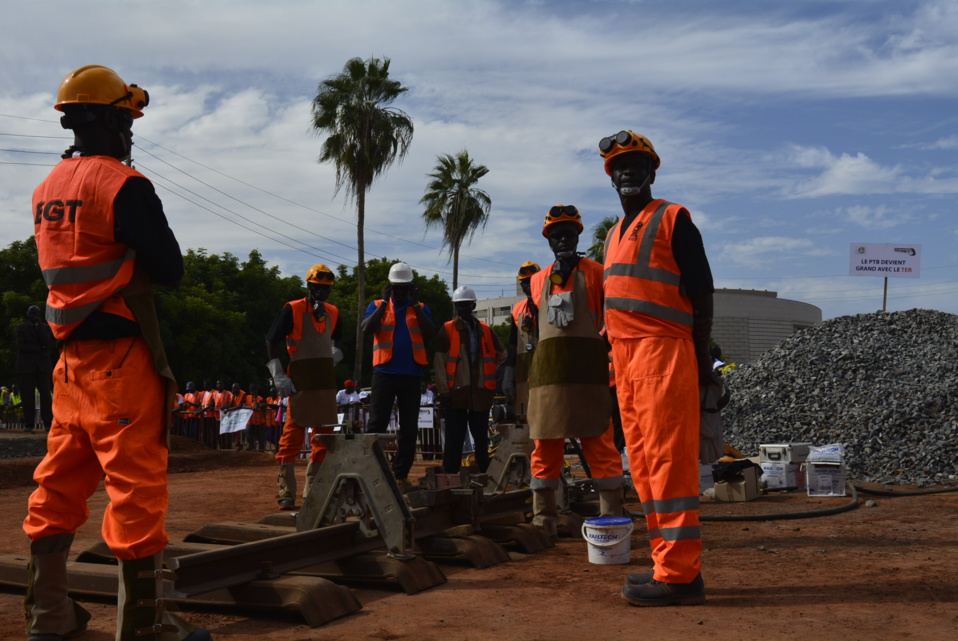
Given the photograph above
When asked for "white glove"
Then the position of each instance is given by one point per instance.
(711, 446)
(283, 383)
(560, 312)
(337, 355)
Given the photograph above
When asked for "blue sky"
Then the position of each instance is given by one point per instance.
(789, 130)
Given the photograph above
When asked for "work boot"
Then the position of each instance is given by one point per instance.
(141, 611)
(311, 470)
(287, 485)
(639, 578)
(611, 502)
(51, 614)
(544, 511)
(659, 593)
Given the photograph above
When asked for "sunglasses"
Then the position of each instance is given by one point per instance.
(622, 139)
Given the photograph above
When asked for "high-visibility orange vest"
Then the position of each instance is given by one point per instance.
(383, 339)
(257, 417)
(488, 355)
(301, 308)
(643, 289)
(82, 264)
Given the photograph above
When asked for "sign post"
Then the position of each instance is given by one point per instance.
(896, 260)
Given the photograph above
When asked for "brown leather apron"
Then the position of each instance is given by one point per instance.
(569, 378)
(311, 368)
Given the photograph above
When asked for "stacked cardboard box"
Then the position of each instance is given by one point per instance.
(781, 465)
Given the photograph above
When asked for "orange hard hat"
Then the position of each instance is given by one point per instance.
(626, 142)
(99, 85)
(320, 274)
(561, 214)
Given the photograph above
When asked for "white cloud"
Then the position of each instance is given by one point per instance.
(875, 217)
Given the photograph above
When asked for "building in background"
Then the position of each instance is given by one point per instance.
(746, 322)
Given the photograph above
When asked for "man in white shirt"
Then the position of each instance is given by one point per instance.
(350, 394)
(426, 398)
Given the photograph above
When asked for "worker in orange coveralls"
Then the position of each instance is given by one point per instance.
(658, 315)
(569, 376)
(102, 241)
(310, 327)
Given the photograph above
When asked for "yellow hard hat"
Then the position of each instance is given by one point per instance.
(320, 274)
(625, 142)
(98, 85)
(561, 214)
(528, 269)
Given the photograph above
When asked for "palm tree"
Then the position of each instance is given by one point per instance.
(365, 137)
(596, 250)
(454, 203)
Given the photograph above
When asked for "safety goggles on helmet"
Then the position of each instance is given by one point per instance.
(560, 214)
(528, 270)
(320, 275)
(626, 142)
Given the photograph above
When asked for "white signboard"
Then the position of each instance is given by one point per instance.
(235, 420)
(426, 417)
(899, 260)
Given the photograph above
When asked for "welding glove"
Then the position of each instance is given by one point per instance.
(712, 399)
(560, 313)
(283, 383)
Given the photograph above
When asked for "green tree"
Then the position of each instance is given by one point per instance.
(596, 250)
(22, 285)
(365, 136)
(455, 204)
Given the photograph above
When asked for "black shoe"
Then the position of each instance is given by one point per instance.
(199, 634)
(639, 578)
(658, 593)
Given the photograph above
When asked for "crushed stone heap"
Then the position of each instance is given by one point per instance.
(884, 384)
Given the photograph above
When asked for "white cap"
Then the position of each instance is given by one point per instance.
(463, 294)
(400, 274)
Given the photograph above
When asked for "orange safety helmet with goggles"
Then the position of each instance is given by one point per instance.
(99, 85)
(527, 270)
(626, 142)
(562, 214)
(320, 274)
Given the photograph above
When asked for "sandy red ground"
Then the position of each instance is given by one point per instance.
(883, 572)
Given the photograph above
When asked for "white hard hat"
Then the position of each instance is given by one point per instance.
(400, 274)
(463, 294)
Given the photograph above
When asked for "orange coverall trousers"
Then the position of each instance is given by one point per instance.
(604, 460)
(657, 385)
(107, 424)
(291, 442)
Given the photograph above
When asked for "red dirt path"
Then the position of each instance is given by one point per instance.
(883, 572)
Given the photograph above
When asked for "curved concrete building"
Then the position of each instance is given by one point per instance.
(748, 322)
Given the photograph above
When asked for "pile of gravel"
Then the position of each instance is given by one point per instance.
(885, 385)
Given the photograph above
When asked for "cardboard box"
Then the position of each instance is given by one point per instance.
(743, 488)
(783, 476)
(706, 480)
(783, 452)
(825, 478)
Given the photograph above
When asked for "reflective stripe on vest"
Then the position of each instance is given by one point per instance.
(643, 288)
(383, 339)
(82, 264)
(488, 355)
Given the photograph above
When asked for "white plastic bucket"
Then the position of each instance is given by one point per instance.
(609, 539)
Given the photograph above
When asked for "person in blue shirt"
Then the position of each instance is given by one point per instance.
(400, 326)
